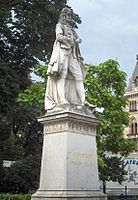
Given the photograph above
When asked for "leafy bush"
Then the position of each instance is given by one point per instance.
(15, 196)
(21, 177)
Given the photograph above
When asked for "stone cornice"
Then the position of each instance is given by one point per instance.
(67, 121)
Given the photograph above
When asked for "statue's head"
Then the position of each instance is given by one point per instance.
(66, 16)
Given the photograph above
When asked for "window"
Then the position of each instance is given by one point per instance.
(132, 106)
(136, 81)
(133, 127)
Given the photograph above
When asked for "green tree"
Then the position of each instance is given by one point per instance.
(22, 142)
(113, 169)
(11, 149)
(21, 177)
(105, 87)
(27, 34)
(23, 146)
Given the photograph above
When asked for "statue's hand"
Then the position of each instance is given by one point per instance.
(78, 40)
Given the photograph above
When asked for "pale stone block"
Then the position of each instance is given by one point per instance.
(54, 165)
(69, 167)
(82, 162)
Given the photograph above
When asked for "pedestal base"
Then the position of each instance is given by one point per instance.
(68, 195)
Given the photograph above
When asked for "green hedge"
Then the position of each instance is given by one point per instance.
(15, 197)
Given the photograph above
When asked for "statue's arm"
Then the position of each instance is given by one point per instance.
(60, 36)
(59, 33)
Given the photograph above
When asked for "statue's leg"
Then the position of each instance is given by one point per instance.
(61, 90)
(75, 69)
(80, 91)
(62, 77)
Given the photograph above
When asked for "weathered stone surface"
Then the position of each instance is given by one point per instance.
(69, 159)
(61, 120)
(66, 68)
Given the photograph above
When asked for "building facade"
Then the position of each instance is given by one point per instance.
(131, 132)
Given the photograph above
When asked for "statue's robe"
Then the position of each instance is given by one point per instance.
(61, 47)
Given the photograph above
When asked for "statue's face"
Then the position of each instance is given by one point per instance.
(68, 17)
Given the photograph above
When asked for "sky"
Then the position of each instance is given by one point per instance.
(109, 30)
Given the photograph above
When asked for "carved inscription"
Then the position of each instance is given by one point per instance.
(82, 155)
(82, 159)
(82, 164)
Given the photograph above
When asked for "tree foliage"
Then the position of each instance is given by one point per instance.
(105, 87)
(27, 33)
(24, 147)
(21, 177)
(113, 169)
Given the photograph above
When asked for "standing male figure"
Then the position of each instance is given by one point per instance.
(66, 69)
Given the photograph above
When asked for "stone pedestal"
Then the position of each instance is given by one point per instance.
(69, 160)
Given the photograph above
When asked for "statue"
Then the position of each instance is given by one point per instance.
(66, 70)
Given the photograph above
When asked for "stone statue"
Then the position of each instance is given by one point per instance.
(66, 68)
